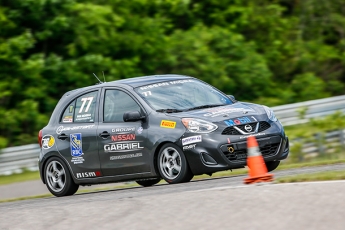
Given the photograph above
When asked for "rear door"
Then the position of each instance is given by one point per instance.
(76, 135)
(122, 145)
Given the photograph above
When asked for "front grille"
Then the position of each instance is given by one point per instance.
(241, 154)
(263, 125)
(230, 131)
(241, 127)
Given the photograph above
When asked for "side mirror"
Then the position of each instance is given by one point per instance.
(232, 97)
(133, 116)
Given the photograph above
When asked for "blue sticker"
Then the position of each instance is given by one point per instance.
(140, 130)
(76, 145)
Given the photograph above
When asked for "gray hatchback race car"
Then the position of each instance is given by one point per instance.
(147, 128)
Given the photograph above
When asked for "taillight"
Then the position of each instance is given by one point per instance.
(40, 138)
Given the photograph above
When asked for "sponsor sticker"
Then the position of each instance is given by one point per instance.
(48, 141)
(192, 139)
(60, 129)
(88, 174)
(123, 137)
(123, 130)
(140, 130)
(168, 124)
(132, 155)
(164, 84)
(122, 147)
(187, 147)
(76, 144)
(67, 119)
(253, 135)
(238, 121)
(83, 117)
(214, 112)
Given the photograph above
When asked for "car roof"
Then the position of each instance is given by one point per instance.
(135, 81)
(146, 80)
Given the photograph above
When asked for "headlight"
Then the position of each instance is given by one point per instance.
(270, 113)
(198, 126)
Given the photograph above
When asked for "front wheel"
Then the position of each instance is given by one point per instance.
(272, 165)
(147, 183)
(172, 164)
(58, 178)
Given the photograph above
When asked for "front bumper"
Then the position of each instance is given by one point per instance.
(211, 156)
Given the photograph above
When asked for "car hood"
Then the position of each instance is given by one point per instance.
(220, 113)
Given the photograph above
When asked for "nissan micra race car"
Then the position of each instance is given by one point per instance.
(150, 128)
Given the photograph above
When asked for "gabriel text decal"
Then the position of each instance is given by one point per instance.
(122, 146)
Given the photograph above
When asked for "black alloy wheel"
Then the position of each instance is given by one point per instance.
(58, 178)
(172, 164)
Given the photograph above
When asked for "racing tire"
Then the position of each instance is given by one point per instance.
(172, 164)
(58, 178)
(148, 183)
(272, 165)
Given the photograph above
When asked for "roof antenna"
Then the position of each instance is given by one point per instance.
(97, 78)
(103, 75)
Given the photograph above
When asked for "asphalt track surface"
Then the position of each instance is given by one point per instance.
(216, 203)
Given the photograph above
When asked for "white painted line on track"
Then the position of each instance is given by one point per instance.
(269, 184)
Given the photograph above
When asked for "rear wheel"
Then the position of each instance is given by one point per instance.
(172, 164)
(272, 165)
(58, 178)
(147, 183)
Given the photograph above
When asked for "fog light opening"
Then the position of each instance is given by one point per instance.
(207, 159)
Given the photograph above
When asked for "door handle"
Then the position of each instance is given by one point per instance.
(63, 136)
(104, 135)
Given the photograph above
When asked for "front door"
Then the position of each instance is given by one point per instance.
(122, 145)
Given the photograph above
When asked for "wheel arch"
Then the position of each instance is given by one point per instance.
(44, 163)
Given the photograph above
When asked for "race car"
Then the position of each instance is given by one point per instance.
(149, 128)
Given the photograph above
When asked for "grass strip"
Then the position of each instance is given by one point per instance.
(319, 176)
(19, 177)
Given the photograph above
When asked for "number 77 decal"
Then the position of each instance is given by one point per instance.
(84, 101)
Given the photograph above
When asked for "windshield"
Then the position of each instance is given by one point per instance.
(181, 95)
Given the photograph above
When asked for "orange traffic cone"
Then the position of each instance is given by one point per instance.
(256, 164)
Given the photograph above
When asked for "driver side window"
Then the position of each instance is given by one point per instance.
(116, 103)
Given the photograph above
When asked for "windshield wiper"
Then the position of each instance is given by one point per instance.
(169, 110)
(205, 106)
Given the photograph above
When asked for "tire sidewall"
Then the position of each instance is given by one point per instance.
(272, 165)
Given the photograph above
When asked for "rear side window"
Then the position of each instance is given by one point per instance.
(67, 116)
(81, 110)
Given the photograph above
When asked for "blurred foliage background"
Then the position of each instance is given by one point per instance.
(265, 51)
